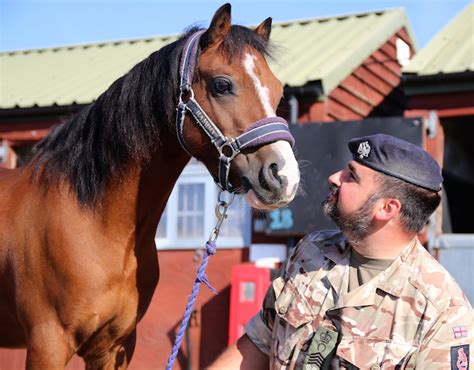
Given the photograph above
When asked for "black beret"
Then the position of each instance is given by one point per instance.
(398, 158)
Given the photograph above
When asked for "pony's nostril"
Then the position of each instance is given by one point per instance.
(262, 181)
(269, 179)
(274, 172)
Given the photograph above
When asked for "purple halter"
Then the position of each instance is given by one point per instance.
(264, 131)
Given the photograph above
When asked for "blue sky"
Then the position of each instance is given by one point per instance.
(27, 24)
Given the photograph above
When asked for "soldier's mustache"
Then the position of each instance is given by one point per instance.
(333, 191)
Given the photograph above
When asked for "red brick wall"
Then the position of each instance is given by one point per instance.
(208, 327)
(372, 90)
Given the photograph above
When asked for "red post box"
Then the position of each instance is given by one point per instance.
(249, 284)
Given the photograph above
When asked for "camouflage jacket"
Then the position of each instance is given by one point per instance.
(412, 315)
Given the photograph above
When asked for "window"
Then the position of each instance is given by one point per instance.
(161, 230)
(247, 291)
(3, 152)
(238, 216)
(189, 216)
(190, 210)
(403, 52)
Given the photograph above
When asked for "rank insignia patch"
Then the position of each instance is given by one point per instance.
(460, 357)
(322, 346)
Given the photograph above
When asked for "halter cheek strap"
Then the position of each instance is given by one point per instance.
(262, 132)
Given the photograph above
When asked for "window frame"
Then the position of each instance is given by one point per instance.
(196, 173)
(3, 152)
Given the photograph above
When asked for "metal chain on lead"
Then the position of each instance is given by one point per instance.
(222, 207)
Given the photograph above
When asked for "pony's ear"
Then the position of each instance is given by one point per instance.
(264, 29)
(219, 27)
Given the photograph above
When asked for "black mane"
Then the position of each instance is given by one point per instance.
(122, 126)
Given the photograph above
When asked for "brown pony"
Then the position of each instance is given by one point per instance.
(78, 263)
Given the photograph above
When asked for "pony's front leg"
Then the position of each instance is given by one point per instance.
(48, 347)
(117, 358)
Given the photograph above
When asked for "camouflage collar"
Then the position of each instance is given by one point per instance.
(338, 276)
(393, 279)
(338, 255)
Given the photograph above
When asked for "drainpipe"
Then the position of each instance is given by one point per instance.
(311, 92)
(432, 124)
(294, 109)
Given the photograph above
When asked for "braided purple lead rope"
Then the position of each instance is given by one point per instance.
(201, 277)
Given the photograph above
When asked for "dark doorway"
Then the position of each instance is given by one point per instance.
(23, 154)
(458, 173)
(321, 149)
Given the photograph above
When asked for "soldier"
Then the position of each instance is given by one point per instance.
(368, 296)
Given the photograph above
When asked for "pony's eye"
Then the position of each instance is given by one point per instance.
(222, 85)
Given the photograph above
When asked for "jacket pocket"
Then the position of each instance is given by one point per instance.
(293, 318)
(373, 353)
(292, 306)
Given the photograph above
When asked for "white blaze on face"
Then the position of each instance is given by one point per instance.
(286, 161)
(262, 91)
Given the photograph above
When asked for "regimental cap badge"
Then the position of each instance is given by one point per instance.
(364, 149)
(398, 158)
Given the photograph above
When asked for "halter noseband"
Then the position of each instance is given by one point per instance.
(262, 132)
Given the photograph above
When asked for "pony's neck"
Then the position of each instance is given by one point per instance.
(157, 180)
(137, 202)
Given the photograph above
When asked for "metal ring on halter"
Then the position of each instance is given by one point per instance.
(183, 92)
(228, 202)
(231, 197)
(228, 144)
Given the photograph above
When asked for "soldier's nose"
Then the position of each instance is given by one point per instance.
(335, 178)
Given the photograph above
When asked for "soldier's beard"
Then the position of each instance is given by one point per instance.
(355, 226)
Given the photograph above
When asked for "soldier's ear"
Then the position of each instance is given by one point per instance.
(386, 209)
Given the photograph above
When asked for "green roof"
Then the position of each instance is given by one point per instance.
(450, 51)
(325, 50)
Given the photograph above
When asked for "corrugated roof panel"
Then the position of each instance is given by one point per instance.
(64, 76)
(464, 57)
(324, 49)
(353, 42)
(329, 50)
(450, 51)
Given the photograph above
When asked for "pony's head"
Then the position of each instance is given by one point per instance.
(235, 90)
